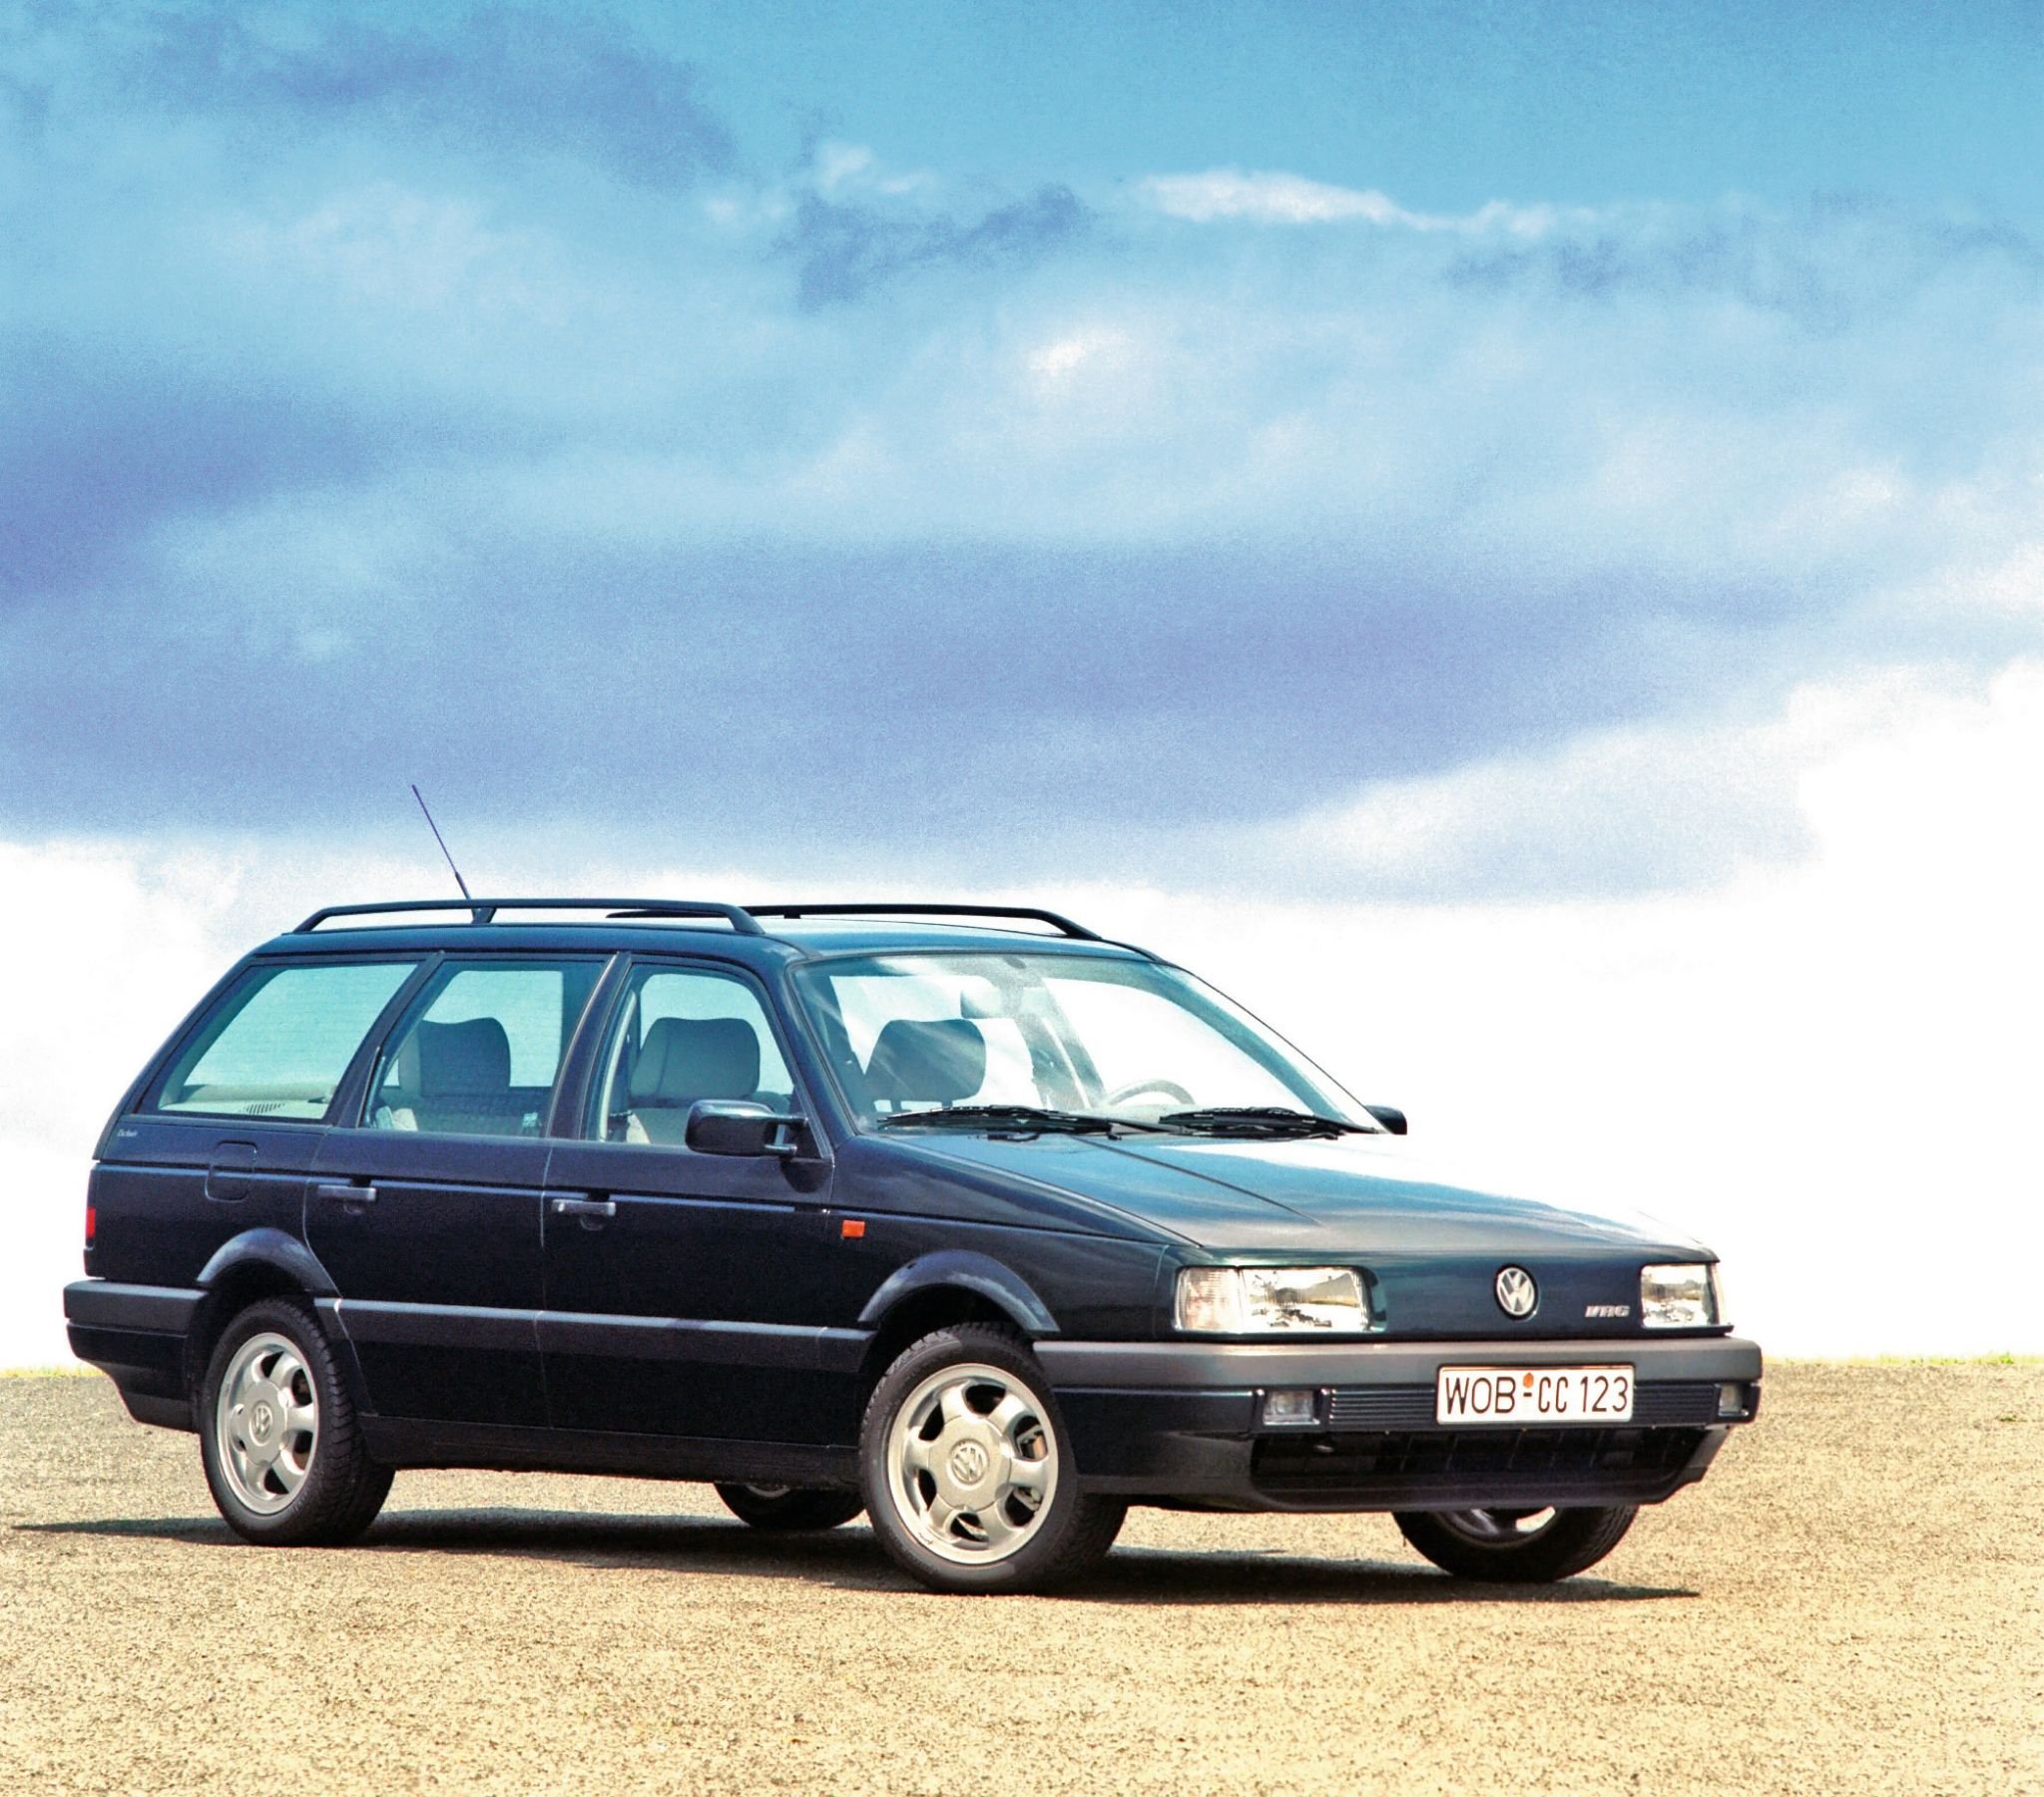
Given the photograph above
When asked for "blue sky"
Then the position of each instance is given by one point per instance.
(1511, 538)
(1447, 107)
(820, 429)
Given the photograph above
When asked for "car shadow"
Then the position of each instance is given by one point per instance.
(1222, 1575)
(596, 1541)
(849, 1560)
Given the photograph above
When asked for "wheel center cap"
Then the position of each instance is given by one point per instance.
(968, 1463)
(261, 1421)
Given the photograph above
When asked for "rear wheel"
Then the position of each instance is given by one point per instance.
(1517, 1546)
(278, 1433)
(789, 1509)
(968, 1472)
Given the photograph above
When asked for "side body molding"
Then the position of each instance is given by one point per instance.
(271, 1247)
(962, 1270)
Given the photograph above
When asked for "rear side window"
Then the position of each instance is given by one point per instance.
(280, 1041)
(479, 1051)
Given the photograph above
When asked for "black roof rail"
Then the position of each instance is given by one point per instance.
(484, 910)
(1063, 925)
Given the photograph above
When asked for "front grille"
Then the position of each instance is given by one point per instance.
(1380, 1407)
(1676, 1401)
(1590, 1465)
(1664, 1403)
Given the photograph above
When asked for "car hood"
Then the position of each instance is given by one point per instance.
(1432, 1244)
(1357, 1195)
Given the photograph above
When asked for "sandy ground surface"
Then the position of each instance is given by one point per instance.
(1853, 1601)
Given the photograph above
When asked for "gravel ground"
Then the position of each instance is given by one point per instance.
(1825, 1613)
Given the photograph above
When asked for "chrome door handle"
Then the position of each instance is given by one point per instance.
(585, 1207)
(348, 1194)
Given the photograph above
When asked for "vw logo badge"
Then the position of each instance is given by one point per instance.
(1516, 1292)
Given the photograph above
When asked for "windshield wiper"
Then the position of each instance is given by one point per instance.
(1272, 1121)
(1007, 1118)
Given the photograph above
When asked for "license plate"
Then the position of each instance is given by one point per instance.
(1533, 1395)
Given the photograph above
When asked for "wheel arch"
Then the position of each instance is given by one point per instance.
(256, 1264)
(950, 1286)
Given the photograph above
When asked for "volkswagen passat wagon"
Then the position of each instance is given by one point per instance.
(988, 1229)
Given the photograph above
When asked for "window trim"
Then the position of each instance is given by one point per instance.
(216, 1005)
(587, 1127)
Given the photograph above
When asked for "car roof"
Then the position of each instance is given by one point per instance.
(725, 933)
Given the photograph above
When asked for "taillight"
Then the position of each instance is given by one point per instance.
(91, 1223)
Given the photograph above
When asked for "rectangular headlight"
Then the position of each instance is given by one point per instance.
(1678, 1297)
(1272, 1300)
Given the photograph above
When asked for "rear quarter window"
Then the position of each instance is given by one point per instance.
(277, 1045)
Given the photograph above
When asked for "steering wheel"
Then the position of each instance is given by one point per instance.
(1170, 1087)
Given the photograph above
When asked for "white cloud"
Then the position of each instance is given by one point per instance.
(1666, 806)
(1060, 358)
(1265, 199)
(386, 246)
(842, 171)
(1279, 198)
(1476, 422)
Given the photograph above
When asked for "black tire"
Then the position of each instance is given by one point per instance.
(1065, 1537)
(790, 1510)
(340, 1488)
(1568, 1543)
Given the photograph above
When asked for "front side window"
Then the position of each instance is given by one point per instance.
(1134, 1040)
(279, 1043)
(687, 1033)
(480, 1048)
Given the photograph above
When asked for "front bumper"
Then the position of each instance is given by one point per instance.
(1181, 1422)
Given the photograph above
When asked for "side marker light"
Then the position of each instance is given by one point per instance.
(851, 1228)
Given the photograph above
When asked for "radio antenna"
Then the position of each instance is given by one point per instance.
(442, 841)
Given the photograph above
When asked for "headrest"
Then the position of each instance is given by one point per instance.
(927, 1063)
(685, 1059)
(463, 1057)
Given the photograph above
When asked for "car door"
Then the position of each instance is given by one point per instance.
(428, 1212)
(682, 1289)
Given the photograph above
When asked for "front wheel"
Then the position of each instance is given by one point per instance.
(1517, 1546)
(967, 1469)
(789, 1509)
(283, 1450)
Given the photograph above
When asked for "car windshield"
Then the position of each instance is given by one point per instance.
(1018, 1042)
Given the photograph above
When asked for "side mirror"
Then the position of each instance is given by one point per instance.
(740, 1127)
(1392, 1119)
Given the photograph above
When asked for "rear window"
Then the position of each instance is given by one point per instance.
(279, 1043)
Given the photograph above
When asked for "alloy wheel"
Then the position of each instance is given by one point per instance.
(267, 1423)
(972, 1465)
(1500, 1528)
